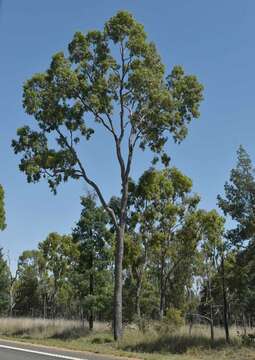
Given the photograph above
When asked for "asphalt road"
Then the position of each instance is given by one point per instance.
(17, 351)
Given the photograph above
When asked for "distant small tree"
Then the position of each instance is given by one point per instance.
(165, 211)
(116, 78)
(4, 284)
(60, 255)
(161, 238)
(26, 286)
(94, 242)
(238, 201)
(212, 225)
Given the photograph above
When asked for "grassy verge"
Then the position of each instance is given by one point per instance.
(150, 345)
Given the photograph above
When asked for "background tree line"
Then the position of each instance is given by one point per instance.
(179, 261)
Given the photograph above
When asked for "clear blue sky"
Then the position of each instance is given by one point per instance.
(212, 39)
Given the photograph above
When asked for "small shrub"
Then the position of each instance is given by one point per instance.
(248, 339)
(142, 323)
(170, 323)
(71, 333)
(101, 340)
(174, 317)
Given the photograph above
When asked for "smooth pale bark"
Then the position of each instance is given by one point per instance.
(211, 310)
(225, 304)
(162, 290)
(137, 298)
(54, 298)
(117, 323)
(119, 252)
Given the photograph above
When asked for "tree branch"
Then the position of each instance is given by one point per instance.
(121, 92)
(88, 180)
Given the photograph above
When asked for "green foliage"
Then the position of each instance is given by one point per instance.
(60, 255)
(93, 80)
(238, 203)
(4, 285)
(43, 285)
(28, 287)
(212, 249)
(114, 78)
(161, 244)
(94, 243)
(248, 340)
(174, 317)
(240, 270)
(240, 199)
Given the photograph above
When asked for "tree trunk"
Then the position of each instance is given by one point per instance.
(82, 316)
(91, 320)
(11, 297)
(162, 303)
(225, 305)
(190, 326)
(212, 323)
(91, 291)
(117, 318)
(11, 302)
(212, 330)
(137, 300)
(54, 298)
(162, 291)
(44, 307)
(244, 323)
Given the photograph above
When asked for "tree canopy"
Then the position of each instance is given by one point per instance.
(239, 200)
(114, 78)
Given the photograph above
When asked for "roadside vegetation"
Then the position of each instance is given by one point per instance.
(157, 342)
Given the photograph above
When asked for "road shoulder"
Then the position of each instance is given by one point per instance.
(86, 355)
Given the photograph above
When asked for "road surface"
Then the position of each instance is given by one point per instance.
(19, 351)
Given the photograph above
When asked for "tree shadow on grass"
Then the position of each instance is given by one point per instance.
(71, 334)
(175, 344)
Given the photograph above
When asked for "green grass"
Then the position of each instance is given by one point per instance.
(150, 345)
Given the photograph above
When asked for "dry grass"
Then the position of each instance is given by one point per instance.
(152, 344)
(45, 328)
(176, 342)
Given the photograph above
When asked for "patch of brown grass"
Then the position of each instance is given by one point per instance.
(45, 328)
